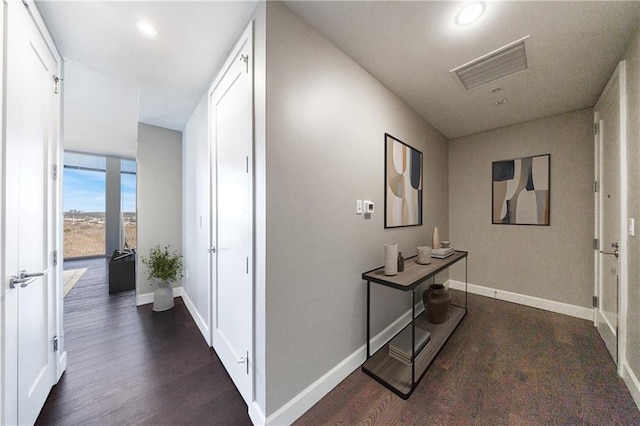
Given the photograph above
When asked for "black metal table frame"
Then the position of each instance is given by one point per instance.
(412, 287)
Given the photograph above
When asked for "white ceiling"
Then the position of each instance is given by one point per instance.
(173, 69)
(409, 46)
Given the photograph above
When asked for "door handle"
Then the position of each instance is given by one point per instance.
(615, 253)
(24, 278)
(23, 282)
(25, 274)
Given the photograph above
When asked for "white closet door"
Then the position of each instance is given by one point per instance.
(231, 115)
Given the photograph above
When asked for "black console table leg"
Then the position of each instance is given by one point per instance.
(413, 339)
(368, 318)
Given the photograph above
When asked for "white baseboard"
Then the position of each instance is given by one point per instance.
(521, 299)
(632, 382)
(256, 415)
(62, 365)
(306, 399)
(200, 322)
(143, 299)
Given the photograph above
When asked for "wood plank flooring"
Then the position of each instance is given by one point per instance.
(505, 364)
(130, 365)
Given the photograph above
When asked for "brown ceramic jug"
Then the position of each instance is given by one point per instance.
(436, 301)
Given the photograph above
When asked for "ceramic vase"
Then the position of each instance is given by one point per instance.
(391, 259)
(437, 301)
(424, 255)
(435, 241)
(163, 297)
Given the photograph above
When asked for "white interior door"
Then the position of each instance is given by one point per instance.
(609, 202)
(231, 109)
(29, 225)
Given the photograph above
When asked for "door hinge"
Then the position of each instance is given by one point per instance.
(595, 128)
(247, 164)
(245, 59)
(596, 187)
(55, 343)
(56, 84)
(595, 301)
(245, 360)
(596, 244)
(247, 265)
(54, 172)
(55, 258)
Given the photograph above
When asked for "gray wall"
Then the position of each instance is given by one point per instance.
(633, 158)
(159, 214)
(325, 137)
(550, 262)
(196, 214)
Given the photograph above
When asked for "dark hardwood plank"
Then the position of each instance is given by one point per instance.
(130, 365)
(505, 364)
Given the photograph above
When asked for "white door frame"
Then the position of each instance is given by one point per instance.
(8, 397)
(619, 72)
(247, 36)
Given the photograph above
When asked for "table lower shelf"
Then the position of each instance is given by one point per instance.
(397, 375)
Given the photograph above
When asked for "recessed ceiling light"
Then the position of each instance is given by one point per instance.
(146, 28)
(470, 13)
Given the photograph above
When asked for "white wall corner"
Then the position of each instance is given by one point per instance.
(146, 298)
(632, 382)
(301, 403)
(521, 299)
(200, 322)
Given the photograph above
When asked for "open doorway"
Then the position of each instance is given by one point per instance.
(100, 222)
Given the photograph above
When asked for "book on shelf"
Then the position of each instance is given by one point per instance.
(400, 346)
(441, 253)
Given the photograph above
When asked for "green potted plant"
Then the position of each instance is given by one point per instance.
(164, 268)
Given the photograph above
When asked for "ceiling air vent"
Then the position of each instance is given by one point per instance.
(501, 63)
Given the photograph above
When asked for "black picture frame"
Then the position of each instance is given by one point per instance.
(521, 191)
(403, 165)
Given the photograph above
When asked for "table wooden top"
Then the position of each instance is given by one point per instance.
(414, 273)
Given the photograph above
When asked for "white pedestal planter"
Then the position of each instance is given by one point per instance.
(163, 298)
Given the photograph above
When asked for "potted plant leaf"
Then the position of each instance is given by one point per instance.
(164, 267)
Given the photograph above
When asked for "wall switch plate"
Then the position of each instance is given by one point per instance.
(358, 206)
(368, 207)
(632, 227)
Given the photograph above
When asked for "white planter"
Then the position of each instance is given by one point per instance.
(163, 298)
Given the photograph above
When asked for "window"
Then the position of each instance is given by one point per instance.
(99, 197)
(84, 205)
(128, 201)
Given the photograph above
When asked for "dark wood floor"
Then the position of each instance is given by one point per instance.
(505, 364)
(129, 365)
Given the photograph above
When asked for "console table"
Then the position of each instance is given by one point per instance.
(392, 373)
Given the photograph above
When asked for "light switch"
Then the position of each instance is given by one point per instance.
(632, 227)
(358, 206)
